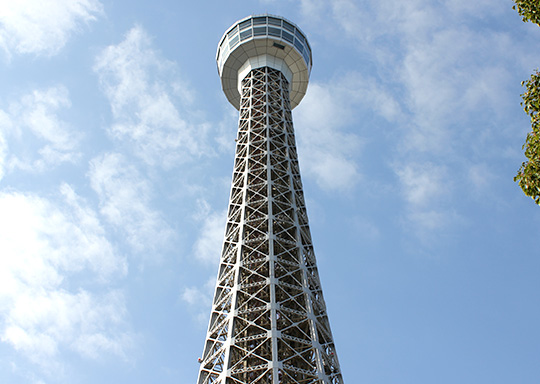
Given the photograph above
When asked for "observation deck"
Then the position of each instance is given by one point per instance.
(264, 41)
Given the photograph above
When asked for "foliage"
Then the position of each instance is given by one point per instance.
(528, 9)
(528, 175)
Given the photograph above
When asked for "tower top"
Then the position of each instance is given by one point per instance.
(264, 41)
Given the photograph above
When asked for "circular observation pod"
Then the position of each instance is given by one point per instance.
(264, 41)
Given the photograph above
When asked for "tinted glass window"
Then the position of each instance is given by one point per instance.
(274, 21)
(299, 36)
(272, 31)
(288, 26)
(245, 24)
(306, 57)
(259, 31)
(287, 36)
(259, 20)
(298, 45)
(232, 32)
(233, 41)
(245, 34)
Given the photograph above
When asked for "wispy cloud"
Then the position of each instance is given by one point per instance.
(33, 137)
(145, 90)
(314, 9)
(427, 190)
(207, 251)
(55, 263)
(5, 124)
(442, 66)
(476, 7)
(451, 79)
(367, 231)
(43, 27)
(207, 247)
(423, 183)
(40, 324)
(125, 201)
(481, 176)
(199, 300)
(449, 84)
(329, 153)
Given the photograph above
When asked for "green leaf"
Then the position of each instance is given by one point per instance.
(528, 176)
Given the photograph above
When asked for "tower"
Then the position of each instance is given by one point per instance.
(268, 323)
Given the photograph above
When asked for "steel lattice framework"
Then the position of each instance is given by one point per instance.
(268, 323)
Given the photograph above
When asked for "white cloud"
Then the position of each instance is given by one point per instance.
(51, 253)
(34, 136)
(313, 9)
(43, 27)
(425, 222)
(199, 299)
(451, 69)
(426, 189)
(38, 239)
(444, 71)
(125, 201)
(328, 153)
(207, 247)
(144, 92)
(39, 324)
(451, 83)
(422, 183)
(91, 240)
(481, 177)
(5, 125)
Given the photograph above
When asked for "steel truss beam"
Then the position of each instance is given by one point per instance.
(268, 323)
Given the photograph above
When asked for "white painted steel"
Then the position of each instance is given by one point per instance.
(268, 322)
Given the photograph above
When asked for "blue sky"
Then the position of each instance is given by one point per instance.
(116, 153)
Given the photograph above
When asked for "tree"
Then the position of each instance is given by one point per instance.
(529, 10)
(528, 176)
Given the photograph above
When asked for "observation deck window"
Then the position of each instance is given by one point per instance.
(259, 31)
(225, 50)
(272, 31)
(245, 24)
(234, 41)
(274, 21)
(306, 56)
(300, 37)
(245, 34)
(233, 31)
(288, 26)
(287, 36)
(259, 20)
(298, 45)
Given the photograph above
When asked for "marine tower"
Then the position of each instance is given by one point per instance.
(268, 323)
